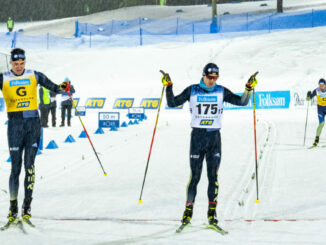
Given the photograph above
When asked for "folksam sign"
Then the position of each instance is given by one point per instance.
(265, 100)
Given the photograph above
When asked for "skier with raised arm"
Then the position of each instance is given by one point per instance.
(206, 108)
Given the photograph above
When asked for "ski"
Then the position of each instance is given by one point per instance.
(320, 146)
(14, 223)
(217, 229)
(26, 219)
(21, 227)
(181, 227)
(7, 226)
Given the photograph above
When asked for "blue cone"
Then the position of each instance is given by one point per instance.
(145, 117)
(70, 139)
(130, 123)
(38, 152)
(124, 125)
(99, 131)
(6, 123)
(136, 122)
(9, 159)
(83, 134)
(52, 145)
(113, 128)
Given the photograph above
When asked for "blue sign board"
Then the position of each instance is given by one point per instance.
(108, 119)
(136, 113)
(265, 100)
(81, 111)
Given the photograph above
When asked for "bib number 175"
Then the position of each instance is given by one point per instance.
(206, 108)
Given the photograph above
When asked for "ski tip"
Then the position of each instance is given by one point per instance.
(105, 174)
(257, 201)
(162, 72)
(140, 201)
(256, 73)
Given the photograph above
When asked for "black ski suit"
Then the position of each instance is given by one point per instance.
(205, 142)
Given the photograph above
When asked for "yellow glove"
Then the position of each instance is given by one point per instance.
(252, 82)
(166, 80)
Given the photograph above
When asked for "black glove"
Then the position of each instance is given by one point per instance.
(65, 86)
(308, 96)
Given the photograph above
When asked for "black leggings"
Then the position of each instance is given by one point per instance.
(204, 144)
(23, 135)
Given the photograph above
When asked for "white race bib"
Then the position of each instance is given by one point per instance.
(206, 107)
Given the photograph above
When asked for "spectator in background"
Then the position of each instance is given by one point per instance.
(10, 24)
(66, 104)
(53, 107)
(44, 105)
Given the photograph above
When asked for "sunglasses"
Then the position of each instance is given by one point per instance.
(212, 77)
(16, 57)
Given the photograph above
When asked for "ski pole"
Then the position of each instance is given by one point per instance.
(305, 127)
(150, 149)
(255, 136)
(105, 174)
(256, 164)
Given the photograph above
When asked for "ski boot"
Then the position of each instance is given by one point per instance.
(12, 216)
(316, 141)
(187, 215)
(212, 220)
(211, 214)
(26, 212)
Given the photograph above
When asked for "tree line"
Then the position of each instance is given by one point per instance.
(32, 10)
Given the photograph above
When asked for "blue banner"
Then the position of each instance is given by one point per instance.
(123, 103)
(150, 103)
(95, 103)
(265, 100)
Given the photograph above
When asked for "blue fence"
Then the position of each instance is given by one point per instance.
(224, 23)
(145, 31)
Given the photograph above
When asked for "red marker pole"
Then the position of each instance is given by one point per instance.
(105, 174)
(150, 149)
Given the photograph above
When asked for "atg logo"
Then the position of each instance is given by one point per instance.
(75, 101)
(95, 103)
(23, 104)
(206, 122)
(19, 82)
(123, 103)
(149, 103)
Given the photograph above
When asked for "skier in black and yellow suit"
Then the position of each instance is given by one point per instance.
(19, 89)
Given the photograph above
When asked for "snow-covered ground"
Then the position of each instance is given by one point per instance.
(66, 27)
(75, 204)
